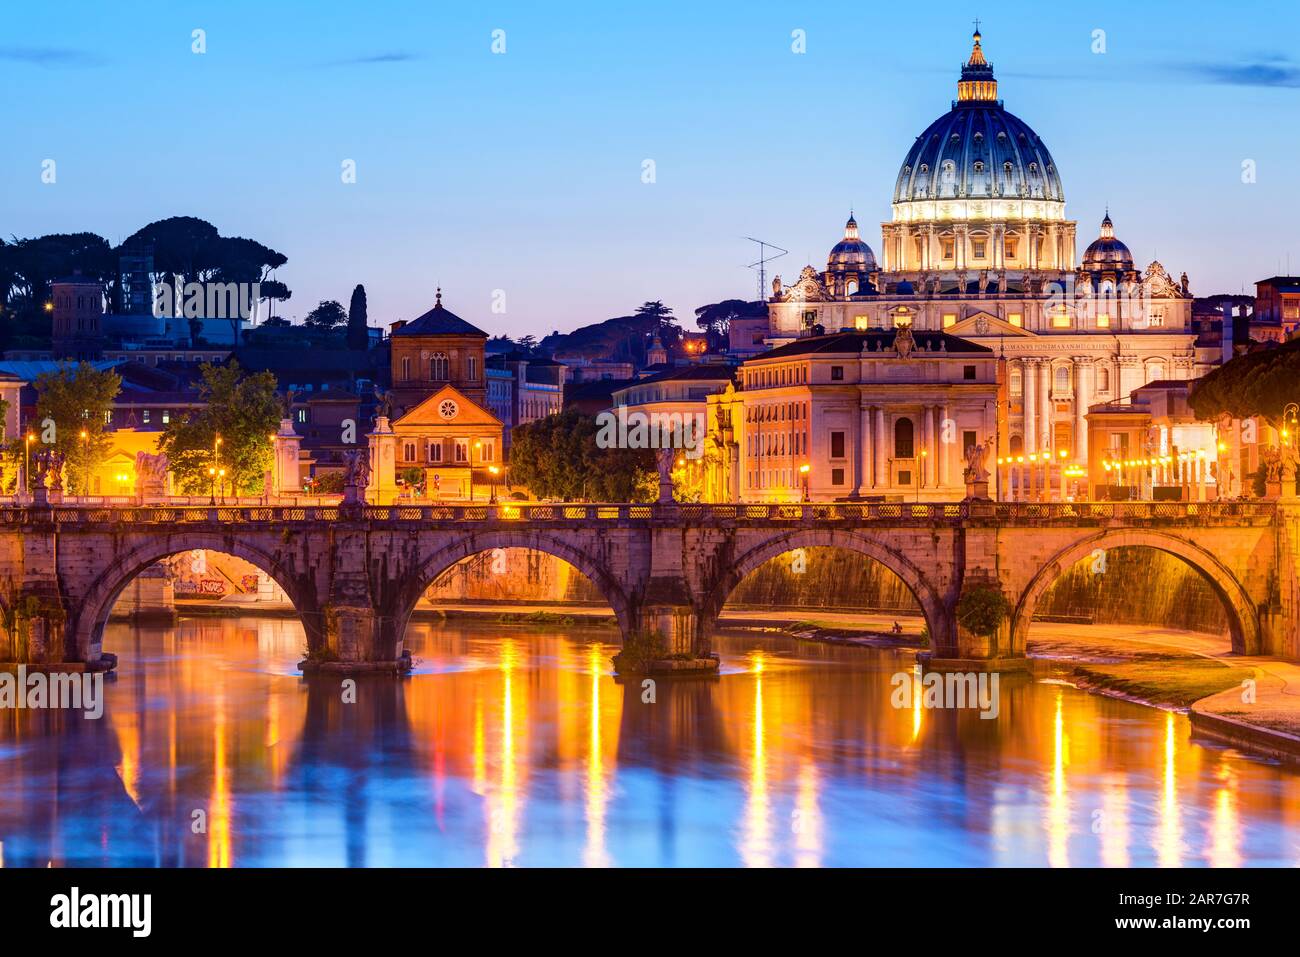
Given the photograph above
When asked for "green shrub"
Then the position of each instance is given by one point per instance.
(981, 609)
(639, 649)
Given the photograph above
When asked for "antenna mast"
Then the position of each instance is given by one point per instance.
(763, 260)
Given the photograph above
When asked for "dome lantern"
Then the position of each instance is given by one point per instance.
(977, 83)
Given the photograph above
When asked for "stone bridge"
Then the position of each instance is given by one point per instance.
(355, 573)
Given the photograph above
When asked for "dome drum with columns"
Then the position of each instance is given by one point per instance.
(979, 246)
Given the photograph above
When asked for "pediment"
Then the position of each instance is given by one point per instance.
(432, 411)
(982, 324)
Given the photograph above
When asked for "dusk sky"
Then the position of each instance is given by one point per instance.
(522, 171)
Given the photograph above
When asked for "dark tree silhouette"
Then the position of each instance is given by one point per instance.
(358, 336)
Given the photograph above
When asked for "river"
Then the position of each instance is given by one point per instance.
(513, 746)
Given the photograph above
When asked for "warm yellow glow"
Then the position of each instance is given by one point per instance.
(1103, 321)
(805, 469)
(949, 319)
(1015, 319)
(1063, 453)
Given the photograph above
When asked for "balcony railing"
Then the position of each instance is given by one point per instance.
(849, 513)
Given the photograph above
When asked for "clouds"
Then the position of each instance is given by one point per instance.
(52, 57)
(390, 56)
(1275, 72)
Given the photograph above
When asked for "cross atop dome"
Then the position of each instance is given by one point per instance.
(977, 83)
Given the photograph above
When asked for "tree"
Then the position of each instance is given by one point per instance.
(1258, 383)
(328, 315)
(243, 411)
(557, 457)
(72, 404)
(358, 334)
(715, 318)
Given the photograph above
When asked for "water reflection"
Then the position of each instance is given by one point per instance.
(516, 747)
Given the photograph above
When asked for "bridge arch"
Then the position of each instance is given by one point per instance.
(935, 611)
(87, 635)
(430, 567)
(1243, 619)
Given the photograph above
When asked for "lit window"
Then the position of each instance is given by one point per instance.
(1103, 321)
(977, 249)
(1061, 319)
(1015, 319)
(144, 416)
(948, 248)
(1009, 248)
(949, 319)
(167, 416)
(861, 323)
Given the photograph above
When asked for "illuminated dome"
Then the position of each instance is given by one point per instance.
(1106, 252)
(851, 254)
(978, 149)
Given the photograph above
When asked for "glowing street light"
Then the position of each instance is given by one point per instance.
(803, 471)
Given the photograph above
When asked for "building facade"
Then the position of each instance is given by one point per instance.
(884, 415)
(979, 247)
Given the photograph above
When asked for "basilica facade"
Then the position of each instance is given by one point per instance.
(979, 247)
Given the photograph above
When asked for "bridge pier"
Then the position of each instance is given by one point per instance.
(354, 641)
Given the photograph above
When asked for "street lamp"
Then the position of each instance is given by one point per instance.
(803, 471)
(212, 484)
(920, 473)
(1062, 454)
(27, 461)
(492, 500)
(221, 477)
(85, 462)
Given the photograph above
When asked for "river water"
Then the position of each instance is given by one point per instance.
(514, 746)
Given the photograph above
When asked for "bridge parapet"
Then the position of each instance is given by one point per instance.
(952, 514)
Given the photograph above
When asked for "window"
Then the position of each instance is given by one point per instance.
(462, 450)
(977, 249)
(144, 417)
(968, 440)
(302, 415)
(837, 445)
(1155, 370)
(471, 368)
(1060, 318)
(435, 450)
(837, 476)
(438, 367)
(1062, 380)
(408, 452)
(1103, 379)
(948, 248)
(902, 318)
(861, 323)
(406, 368)
(968, 373)
(837, 373)
(905, 477)
(489, 451)
(1015, 319)
(1017, 383)
(904, 443)
(1103, 321)
(1009, 247)
(166, 416)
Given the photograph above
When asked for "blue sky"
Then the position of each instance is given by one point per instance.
(522, 171)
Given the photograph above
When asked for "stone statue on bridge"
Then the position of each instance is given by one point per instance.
(151, 474)
(356, 475)
(976, 455)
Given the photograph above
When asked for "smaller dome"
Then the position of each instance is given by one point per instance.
(1107, 254)
(851, 254)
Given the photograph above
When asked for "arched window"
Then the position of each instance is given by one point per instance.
(438, 367)
(1017, 445)
(1017, 382)
(1103, 379)
(1062, 379)
(1155, 370)
(904, 439)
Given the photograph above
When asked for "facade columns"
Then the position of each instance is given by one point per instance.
(1029, 397)
(1082, 398)
(866, 475)
(1044, 404)
(946, 443)
(927, 427)
(878, 418)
